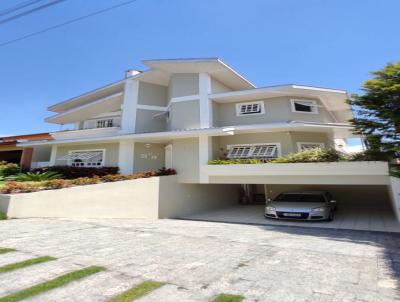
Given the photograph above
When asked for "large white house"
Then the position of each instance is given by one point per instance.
(182, 113)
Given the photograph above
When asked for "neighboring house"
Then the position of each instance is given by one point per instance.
(25, 156)
(181, 113)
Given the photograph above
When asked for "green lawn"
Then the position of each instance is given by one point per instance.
(4, 250)
(22, 264)
(137, 291)
(54, 283)
(228, 298)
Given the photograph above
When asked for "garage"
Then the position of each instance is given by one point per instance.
(359, 207)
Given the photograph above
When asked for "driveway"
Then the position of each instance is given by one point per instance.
(199, 260)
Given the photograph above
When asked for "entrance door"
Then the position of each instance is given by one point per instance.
(168, 157)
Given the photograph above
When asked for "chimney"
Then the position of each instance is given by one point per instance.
(131, 72)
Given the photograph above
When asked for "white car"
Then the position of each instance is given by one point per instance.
(302, 205)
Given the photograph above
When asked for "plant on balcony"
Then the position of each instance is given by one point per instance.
(35, 176)
(310, 156)
(235, 161)
(75, 172)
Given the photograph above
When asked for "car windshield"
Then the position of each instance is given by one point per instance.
(300, 197)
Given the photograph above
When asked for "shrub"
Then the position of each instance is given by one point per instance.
(35, 176)
(69, 172)
(7, 169)
(81, 181)
(310, 156)
(115, 177)
(19, 187)
(395, 171)
(165, 172)
(235, 161)
(57, 184)
(370, 155)
(3, 216)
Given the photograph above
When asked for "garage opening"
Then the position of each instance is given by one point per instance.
(359, 207)
(11, 156)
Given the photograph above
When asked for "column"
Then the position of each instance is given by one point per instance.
(26, 158)
(204, 156)
(205, 102)
(53, 155)
(131, 93)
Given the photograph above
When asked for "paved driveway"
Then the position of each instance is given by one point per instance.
(199, 260)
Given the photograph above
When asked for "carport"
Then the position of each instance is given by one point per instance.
(359, 208)
(367, 197)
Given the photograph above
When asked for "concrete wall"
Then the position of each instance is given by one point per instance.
(126, 199)
(148, 157)
(185, 159)
(41, 153)
(178, 200)
(152, 94)
(156, 197)
(276, 110)
(394, 190)
(111, 159)
(183, 84)
(146, 123)
(184, 115)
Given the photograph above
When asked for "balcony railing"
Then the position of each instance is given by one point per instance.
(85, 133)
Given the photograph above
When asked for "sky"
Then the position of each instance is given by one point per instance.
(329, 43)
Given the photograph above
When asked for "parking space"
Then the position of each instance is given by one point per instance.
(359, 208)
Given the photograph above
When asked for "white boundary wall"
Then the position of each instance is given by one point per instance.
(155, 197)
(394, 190)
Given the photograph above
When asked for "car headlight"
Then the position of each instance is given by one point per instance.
(270, 208)
(321, 209)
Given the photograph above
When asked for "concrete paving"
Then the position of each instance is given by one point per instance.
(367, 219)
(199, 260)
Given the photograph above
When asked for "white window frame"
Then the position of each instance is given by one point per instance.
(313, 105)
(317, 145)
(69, 162)
(239, 106)
(278, 148)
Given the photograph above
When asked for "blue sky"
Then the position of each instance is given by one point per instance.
(330, 43)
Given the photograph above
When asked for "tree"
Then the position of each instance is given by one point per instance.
(378, 109)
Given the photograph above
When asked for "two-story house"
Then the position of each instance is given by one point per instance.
(182, 113)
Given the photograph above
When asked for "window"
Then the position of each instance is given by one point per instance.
(264, 151)
(304, 106)
(307, 146)
(250, 108)
(105, 123)
(85, 158)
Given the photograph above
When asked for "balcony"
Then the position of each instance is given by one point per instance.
(86, 133)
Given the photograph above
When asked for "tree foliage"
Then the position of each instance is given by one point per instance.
(378, 108)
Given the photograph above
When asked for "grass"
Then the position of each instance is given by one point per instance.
(22, 264)
(136, 292)
(2, 183)
(51, 284)
(3, 216)
(4, 250)
(228, 298)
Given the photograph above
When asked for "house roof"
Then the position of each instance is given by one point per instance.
(13, 140)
